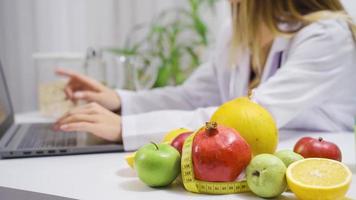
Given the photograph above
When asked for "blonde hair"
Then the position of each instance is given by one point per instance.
(249, 16)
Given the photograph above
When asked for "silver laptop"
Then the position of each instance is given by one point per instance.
(30, 140)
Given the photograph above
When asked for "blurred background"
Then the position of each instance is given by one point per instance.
(130, 44)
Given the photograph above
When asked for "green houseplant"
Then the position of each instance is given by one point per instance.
(166, 51)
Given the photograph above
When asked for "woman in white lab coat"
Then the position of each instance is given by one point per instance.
(298, 57)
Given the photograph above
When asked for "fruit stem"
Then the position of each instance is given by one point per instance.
(155, 145)
(320, 139)
(256, 173)
(211, 127)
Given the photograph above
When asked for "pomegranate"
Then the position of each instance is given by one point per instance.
(219, 153)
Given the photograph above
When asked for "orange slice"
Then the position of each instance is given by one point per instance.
(319, 179)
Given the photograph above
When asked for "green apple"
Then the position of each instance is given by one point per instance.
(157, 165)
(266, 176)
(288, 156)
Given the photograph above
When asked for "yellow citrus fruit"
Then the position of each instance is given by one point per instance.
(254, 123)
(169, 137)
(318, 179)
(130, 159)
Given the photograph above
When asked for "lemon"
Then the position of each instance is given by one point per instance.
(254, 123)
(169, 137)
(130, 159)
(318, 179)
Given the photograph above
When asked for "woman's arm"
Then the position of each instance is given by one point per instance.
(171, 105)
(200, 90)
(148, 115)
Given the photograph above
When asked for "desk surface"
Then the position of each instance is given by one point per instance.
(107, 176)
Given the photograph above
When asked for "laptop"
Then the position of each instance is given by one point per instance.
(38, 139)
(12, 193)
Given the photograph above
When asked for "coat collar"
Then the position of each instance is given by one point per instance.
(238, 86)
(278, 51)
(280, 43)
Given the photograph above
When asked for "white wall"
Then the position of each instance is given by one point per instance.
(73, 25)
(62, 25)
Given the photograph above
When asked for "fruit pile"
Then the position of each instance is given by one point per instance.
(235, 152)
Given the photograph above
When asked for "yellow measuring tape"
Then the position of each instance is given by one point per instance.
(196, 186)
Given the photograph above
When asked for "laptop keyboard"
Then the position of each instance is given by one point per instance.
(43, 136)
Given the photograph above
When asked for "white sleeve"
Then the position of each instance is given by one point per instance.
(200, 90)
(312, 70)
(142, 128)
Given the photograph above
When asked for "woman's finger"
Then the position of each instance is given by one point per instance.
(84, 109)
(79, 127)
(78, 118)
(93, 128)
(88, 96)
(89, 108)
(69, 92)
(65, 72)
(77, 77)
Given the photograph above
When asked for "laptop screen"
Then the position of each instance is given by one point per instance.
(6, 113)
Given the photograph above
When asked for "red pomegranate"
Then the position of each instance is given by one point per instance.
(219, 153)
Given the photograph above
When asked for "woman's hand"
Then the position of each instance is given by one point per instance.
(94, 119)
(82, 87)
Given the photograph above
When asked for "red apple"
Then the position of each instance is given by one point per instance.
(219, 153)
(317, 148)
(179, 141)
(303, 140)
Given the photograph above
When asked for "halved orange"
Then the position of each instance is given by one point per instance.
(319, 179)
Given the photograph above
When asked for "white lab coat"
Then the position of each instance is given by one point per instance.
(314, 89)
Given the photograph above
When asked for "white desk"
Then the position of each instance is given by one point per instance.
(107, 176)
